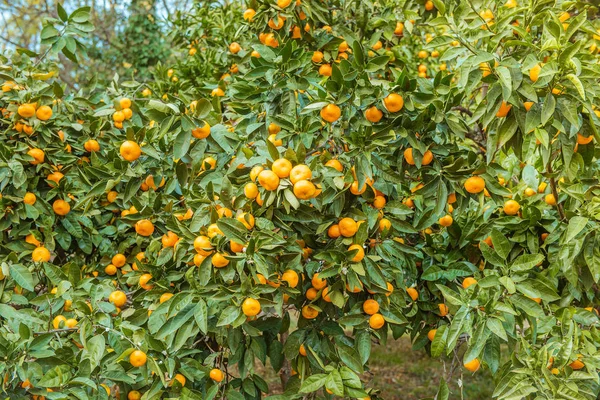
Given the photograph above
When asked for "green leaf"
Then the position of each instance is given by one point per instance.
(578, 85)
(182, 143)
(313, 383)
(176, 322)
(505, 81)
(350, 357)
(22, 276)
(233, 229)
(94, 351)
(229, 315)
(576, 225)
(55, 377)
(377, 63)
(334, 383)
(201, 315)
(548, 107)
(495, 326)
(501, 244)
(526, 261)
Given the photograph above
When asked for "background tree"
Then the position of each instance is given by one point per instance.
(313, 178)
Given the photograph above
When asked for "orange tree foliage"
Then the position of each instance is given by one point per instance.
(311, 176)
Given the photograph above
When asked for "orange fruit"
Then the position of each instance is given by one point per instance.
(144, 279)
(376, 321)
(511, 207)
(203, 246)
(26, 110)
(311, 293)
(334, 231)
(118, 117)
(118, 298)
(40, 254)
(469, 281)
(91, 145)
(309, 312)
(137, 358)
(325, 295)
(169, 239)
(165, 297)
(277, 26)
(38, 156)
(317, 57)
(110, 269)
(331, 113)
(282, 167)
(57, 321)
(385, 225)
(577, 364)
(216, 375)
(393, 102)
(373, 114)
(360, 252)
(118, 260)
(474, 184)
(446, 220)
(335, 164)
(250, 307)
(61, 207)
(399, 29)
(268, 180)
(247, 219)
(208, 163)
(355, 190)
(325, 70)
(379, 202)
(273, 128)
(179, 378)
(426, 160)
(304, 190)
(429, 5)
(443, 309)
(584, 140)
(134, 395)
(213, 230)
(29, 198)
(255, 171)
(348, 227)
(201, 132)
(317, 282)
(249, 14)
(503, 110)
(144, 227)
(370, 307)
(302, 350)
(431, 334)
(32, 240)
(534, 72)
(235, 47)
(130, 150)
(251, 190)
(291, 277)
(219, 261)
(550, 199)
(528, 105)
(236, 247)
(300, 172)
(472, 365)
(224, 212)
(413, 293)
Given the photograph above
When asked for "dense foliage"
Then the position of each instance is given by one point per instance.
(310, 177)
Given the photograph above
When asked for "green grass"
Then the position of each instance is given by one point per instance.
(399, 372)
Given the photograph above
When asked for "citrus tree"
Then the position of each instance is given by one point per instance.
(309, 178)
